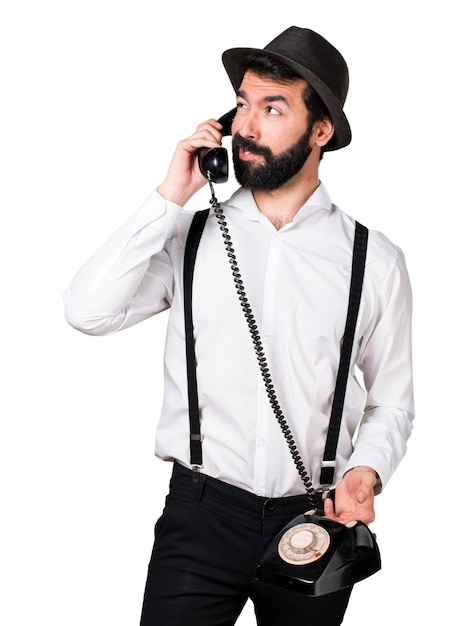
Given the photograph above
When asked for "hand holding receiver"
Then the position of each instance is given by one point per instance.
(213, 162)
(184, 177)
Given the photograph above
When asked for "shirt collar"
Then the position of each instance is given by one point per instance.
(243, 199)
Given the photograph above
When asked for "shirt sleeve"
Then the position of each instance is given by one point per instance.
(385, 359)
(130, 277)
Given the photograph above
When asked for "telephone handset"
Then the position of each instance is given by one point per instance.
(213, 162)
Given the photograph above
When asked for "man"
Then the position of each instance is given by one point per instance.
(294, 256)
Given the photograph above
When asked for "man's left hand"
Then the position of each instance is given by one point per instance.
(354, 497)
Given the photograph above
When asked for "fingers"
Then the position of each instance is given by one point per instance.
(329, 509)
(207, 135)
(361, 496)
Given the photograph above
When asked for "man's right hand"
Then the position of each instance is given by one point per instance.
(184, 178)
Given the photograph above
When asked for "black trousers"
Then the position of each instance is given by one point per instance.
(207, 545)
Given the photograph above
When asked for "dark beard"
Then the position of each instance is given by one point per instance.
(276, 170)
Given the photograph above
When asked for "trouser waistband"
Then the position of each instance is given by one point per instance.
(208, 488)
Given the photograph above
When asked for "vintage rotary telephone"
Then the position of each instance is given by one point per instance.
(312, 554)
(315, 555)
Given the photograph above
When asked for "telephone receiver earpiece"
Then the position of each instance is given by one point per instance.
(213, 162)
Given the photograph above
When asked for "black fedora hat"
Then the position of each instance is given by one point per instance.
(313, 58)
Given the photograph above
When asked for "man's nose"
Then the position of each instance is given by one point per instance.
(249, 126)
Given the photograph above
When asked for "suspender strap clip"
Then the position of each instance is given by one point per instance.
(196, 469)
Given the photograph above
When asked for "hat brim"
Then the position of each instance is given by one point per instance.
(235, 63)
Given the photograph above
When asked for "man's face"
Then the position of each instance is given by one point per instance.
(270, 132)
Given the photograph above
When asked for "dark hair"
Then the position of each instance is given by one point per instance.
(268, 67)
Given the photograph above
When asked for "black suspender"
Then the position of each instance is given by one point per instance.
(358, 268)
(355, 292)
(191, 248)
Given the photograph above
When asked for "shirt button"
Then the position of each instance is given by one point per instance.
(259, 492)
(261, 443)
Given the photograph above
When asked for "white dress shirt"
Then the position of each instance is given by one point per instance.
(297, 282)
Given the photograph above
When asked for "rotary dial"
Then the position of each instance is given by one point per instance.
(303, 544)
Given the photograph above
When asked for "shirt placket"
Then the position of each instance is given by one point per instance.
(266, 327)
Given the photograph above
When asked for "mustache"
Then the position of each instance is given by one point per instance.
(241, 143)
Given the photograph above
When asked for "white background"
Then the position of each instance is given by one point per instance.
(94, 96)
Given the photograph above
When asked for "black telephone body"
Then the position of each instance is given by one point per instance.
(213, 162)
(315, 555)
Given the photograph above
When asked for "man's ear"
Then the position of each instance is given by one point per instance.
(323, 131)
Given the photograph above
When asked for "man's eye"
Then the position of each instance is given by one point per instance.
(273, 111)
